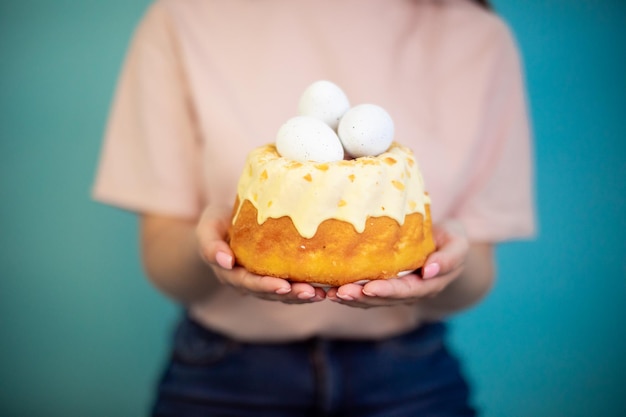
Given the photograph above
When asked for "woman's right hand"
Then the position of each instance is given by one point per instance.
(211, 232)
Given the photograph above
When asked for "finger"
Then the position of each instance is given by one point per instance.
(304, 291)
(301, 293)
(408, 286)
(352, 295)
(263, 284)
(363, 301)
(349, 292)
(431, 270)
(449, 256)
(225, 260)
(211, 233)
(288, 299)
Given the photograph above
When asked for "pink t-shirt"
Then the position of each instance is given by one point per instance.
(206, 81)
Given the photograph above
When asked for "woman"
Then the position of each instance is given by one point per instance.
(205, 82)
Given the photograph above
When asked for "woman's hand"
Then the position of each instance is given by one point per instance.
(211, 233)
(442, 268)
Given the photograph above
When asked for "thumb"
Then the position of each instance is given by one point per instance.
(211, 232)
(452, 248)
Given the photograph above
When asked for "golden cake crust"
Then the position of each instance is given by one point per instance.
(337, 254)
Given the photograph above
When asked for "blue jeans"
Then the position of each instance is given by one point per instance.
(409, 375)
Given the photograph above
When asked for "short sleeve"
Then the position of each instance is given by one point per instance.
(500, 202)
(148, 161)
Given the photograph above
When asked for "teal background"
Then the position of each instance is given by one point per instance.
(83, 334)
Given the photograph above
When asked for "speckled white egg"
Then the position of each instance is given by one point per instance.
(304, 138)
(324, 100)
(366, 130)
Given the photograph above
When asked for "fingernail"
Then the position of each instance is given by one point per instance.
(283, 290)
(224, 260)
(369, 294)
(306, 295)
(345, 297)
(431, 270)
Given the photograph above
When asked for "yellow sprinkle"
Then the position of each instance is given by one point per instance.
(412, 205)
(390, 161)
(341, 203)
(269, 203)
(255, 197)
(322, 167)
(410, 161)
(398, 185)
(308, 177)
(351, 177)
(264, 175)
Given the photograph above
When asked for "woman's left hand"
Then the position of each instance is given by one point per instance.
(442, 267)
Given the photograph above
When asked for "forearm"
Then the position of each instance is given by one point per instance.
(474, 282)
(172, 261)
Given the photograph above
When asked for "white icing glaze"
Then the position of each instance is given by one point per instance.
(348, 190)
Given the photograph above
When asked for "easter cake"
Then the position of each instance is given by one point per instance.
(332, 208)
